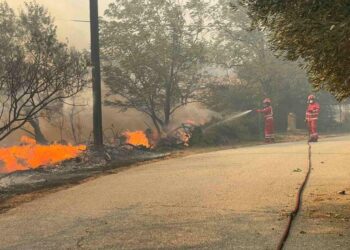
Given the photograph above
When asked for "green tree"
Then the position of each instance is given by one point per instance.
(36, 70)
(153, 55)
(254, 70)
(316, 31)
(282, 81)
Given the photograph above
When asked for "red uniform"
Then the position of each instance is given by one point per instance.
(269, 127)
(312, 113)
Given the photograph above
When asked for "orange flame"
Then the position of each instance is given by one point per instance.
(137, 138)
(31, 155)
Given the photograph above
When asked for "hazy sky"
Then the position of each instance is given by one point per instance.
(64, 10)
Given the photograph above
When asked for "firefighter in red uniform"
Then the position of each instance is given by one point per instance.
(312, 112)
(268, 115)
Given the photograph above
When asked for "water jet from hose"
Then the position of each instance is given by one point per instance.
(228, 119)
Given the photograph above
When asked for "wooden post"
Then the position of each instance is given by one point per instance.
(96, 75)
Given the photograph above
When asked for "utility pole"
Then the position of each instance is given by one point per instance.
(96, 75)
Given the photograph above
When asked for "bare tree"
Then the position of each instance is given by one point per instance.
(36, 69)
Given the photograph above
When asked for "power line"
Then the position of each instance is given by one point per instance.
(79, 21)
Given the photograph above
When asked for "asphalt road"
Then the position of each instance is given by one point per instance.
(231, 199)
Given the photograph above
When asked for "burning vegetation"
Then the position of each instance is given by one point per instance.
(137, 138)
(31, 166)
(30, 155)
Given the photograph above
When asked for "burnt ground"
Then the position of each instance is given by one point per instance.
(22, 186)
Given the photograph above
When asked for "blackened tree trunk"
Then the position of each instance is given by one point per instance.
(39, 136)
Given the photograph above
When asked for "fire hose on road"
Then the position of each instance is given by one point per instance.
(297, 207)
